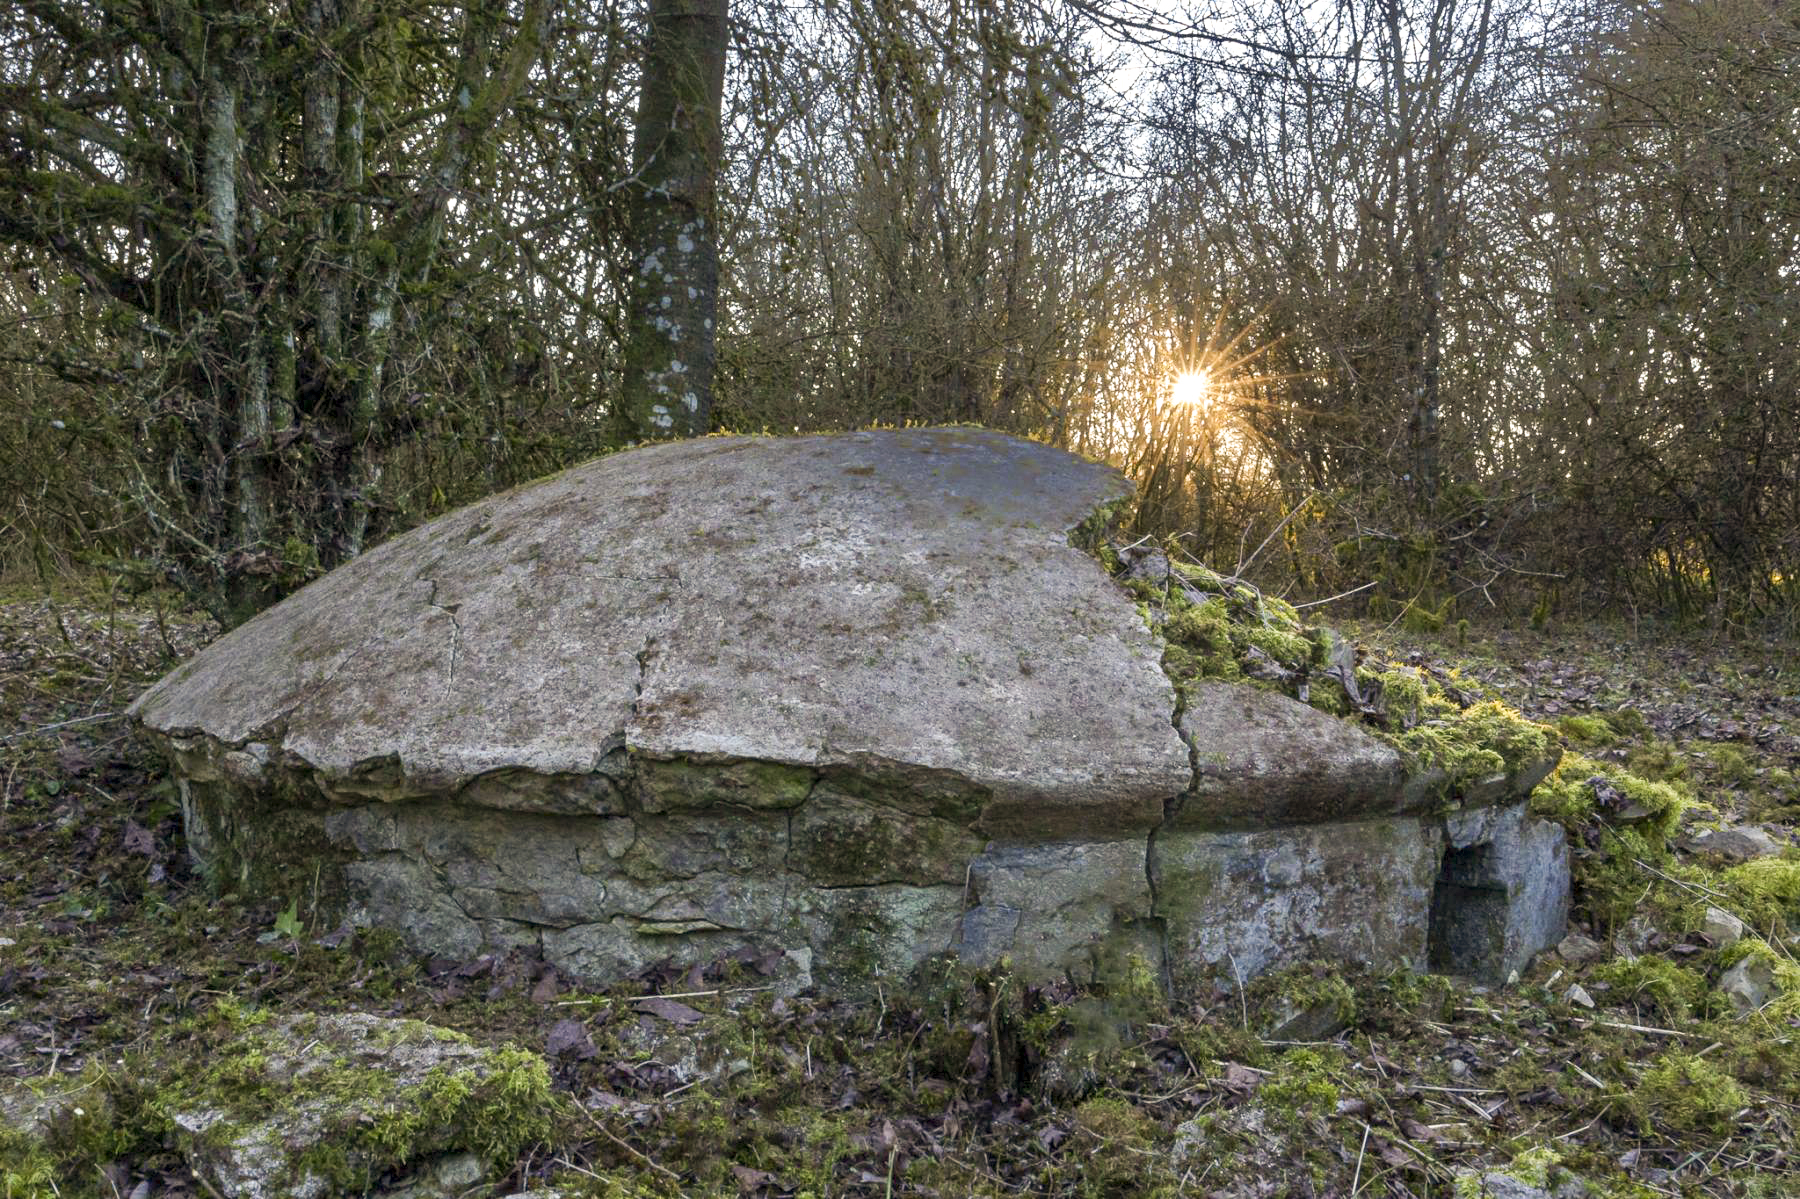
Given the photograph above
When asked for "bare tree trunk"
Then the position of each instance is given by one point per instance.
(670, 340)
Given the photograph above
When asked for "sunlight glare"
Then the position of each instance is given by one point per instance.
(1190, 388)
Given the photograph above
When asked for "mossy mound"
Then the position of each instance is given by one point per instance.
(1621, 825)
(297, 1105)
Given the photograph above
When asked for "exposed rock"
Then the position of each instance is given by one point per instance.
(1721, 927)
(305, 1106)
(1735, 843)
(1578, 995)
(1636, 936)
(1145, 563)
(449, 1177)
(1316, 1020)
(1036, 902)
(849, 702)
(1236, 904)
(1578, 949)
(33, 1106)
(1750, 984)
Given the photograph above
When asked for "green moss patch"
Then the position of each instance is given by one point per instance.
(1620, 825)
(347, 1099)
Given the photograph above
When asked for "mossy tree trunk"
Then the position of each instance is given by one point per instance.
(210, 179)
(669, 351)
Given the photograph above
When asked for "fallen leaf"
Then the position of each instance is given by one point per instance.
(1240, 1080)
(138, 839)
(750, 1180)
(549, 986)
(669, 1009)
(1416, 1131)
(569, 1038)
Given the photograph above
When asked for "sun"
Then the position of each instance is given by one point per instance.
(1191, 388)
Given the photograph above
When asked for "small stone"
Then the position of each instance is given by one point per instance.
(1577, 995)
(1495, 1185)
(445, 1178)
(1578, 949)
(1636, 937)
(1750, 984)
(1459, 1068)
(1721, 927)
(1736, 843)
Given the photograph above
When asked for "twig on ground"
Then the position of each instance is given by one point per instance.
(620, 1141)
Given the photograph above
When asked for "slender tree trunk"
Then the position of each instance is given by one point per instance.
(670, 347)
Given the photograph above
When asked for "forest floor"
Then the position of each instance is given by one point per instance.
(111, 949)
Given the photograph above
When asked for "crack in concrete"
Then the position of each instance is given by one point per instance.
(456, 628)
(643, 657)
(675, 579)
(1171, 806)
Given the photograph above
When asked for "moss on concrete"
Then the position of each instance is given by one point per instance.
(1216, 628)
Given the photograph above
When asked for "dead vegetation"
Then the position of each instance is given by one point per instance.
(1623, 1064)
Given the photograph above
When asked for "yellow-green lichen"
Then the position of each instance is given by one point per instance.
(27, 1170)
(1220, 629)
(1581, 790)
(1304, 1082)
(366, 1118)
(1623, 824)
(1654, 985)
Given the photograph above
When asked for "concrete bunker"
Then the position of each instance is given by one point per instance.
(857, 700)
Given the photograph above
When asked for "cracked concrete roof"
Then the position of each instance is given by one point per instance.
(898, 601)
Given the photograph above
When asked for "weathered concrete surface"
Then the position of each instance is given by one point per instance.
(904, 599)
(858, 699)
(1263, 760)
(1237, 904)
(1477, 893)
(1044, 904)
(1502, 894)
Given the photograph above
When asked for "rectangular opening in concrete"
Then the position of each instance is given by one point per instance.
(1468, 915)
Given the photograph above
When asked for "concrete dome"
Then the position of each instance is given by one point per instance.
(860, 699)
